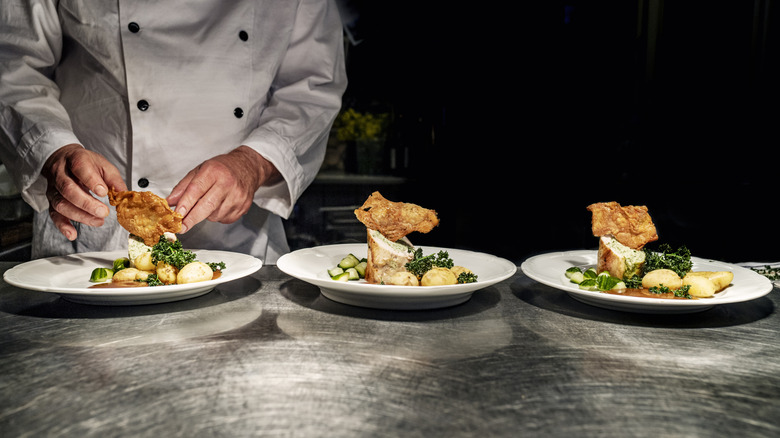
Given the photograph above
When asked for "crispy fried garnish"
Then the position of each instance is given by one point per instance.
(144, 214)
(630, 225)
(395, 219)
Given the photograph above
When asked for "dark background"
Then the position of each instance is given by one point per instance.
(539, 110)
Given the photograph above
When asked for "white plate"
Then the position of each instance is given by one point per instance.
(311, 265)
(68, 276)
(550, 269)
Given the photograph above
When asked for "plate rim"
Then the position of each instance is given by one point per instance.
(640, 302)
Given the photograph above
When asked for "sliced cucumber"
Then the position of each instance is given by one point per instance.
(572, 271)
(344, 276)
(576, 277)
(361, 268)
(335, 271)
(353, 274)
(349, 261)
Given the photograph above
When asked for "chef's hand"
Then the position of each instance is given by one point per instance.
(222, 188)
(71, 172)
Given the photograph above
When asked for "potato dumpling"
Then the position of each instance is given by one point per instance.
(194, 272)
(700, 286)
(401, 278)
(127, 274)
(457, 270)
(707, 283)
(166, 273)
(439, 277)
(662, 277)
(143, 275)
(144, 262)
(721, 278)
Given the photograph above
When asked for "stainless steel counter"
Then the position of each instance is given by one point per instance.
(269, 356)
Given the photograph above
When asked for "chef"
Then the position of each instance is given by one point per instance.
(223, 107)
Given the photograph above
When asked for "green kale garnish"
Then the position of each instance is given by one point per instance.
(665, 258)
(420, 264)
(172, 253)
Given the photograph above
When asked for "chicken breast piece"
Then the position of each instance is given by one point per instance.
(630, 225)
(144, 214)
(395, 219)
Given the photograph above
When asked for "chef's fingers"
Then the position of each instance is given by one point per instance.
(61, 200)
(62, 212)
(201, 208)
(231, 208)
(174, 199)
(69, 198)
(63, 224)
(93, 171)
(188, 196)
(111, 176)
(73, 172)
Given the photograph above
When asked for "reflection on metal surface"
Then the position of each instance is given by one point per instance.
(223, 309)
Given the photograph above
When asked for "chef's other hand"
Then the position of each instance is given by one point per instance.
(71, 172)
(222, 188)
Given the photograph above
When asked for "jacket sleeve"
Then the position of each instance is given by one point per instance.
(304, 100)
(33, 123)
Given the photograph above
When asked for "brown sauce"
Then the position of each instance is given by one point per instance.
(645, 293)
(117, 284)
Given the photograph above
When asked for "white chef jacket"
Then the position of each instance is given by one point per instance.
(157, 87)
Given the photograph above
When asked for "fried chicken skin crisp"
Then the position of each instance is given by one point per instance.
(395, 219)
(144, 214)
(631, 225)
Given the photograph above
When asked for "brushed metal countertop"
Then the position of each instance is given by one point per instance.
(268, 355)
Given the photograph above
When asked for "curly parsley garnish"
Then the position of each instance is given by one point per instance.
(665, 258)
(172, 253)
(420, 264)
(467, 277)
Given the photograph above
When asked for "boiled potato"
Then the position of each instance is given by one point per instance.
(144, 262)
(194, 272)
(701, 286)
(401, 278)
(166, 273)
(127, 274)
(721, 278)
(659, 277)
(439, 277)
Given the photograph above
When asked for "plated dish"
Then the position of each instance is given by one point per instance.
(311, 265)
(549, 269)
(69, 275)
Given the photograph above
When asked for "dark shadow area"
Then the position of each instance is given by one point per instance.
(517, 121)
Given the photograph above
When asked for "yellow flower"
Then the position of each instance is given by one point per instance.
(352, 125)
